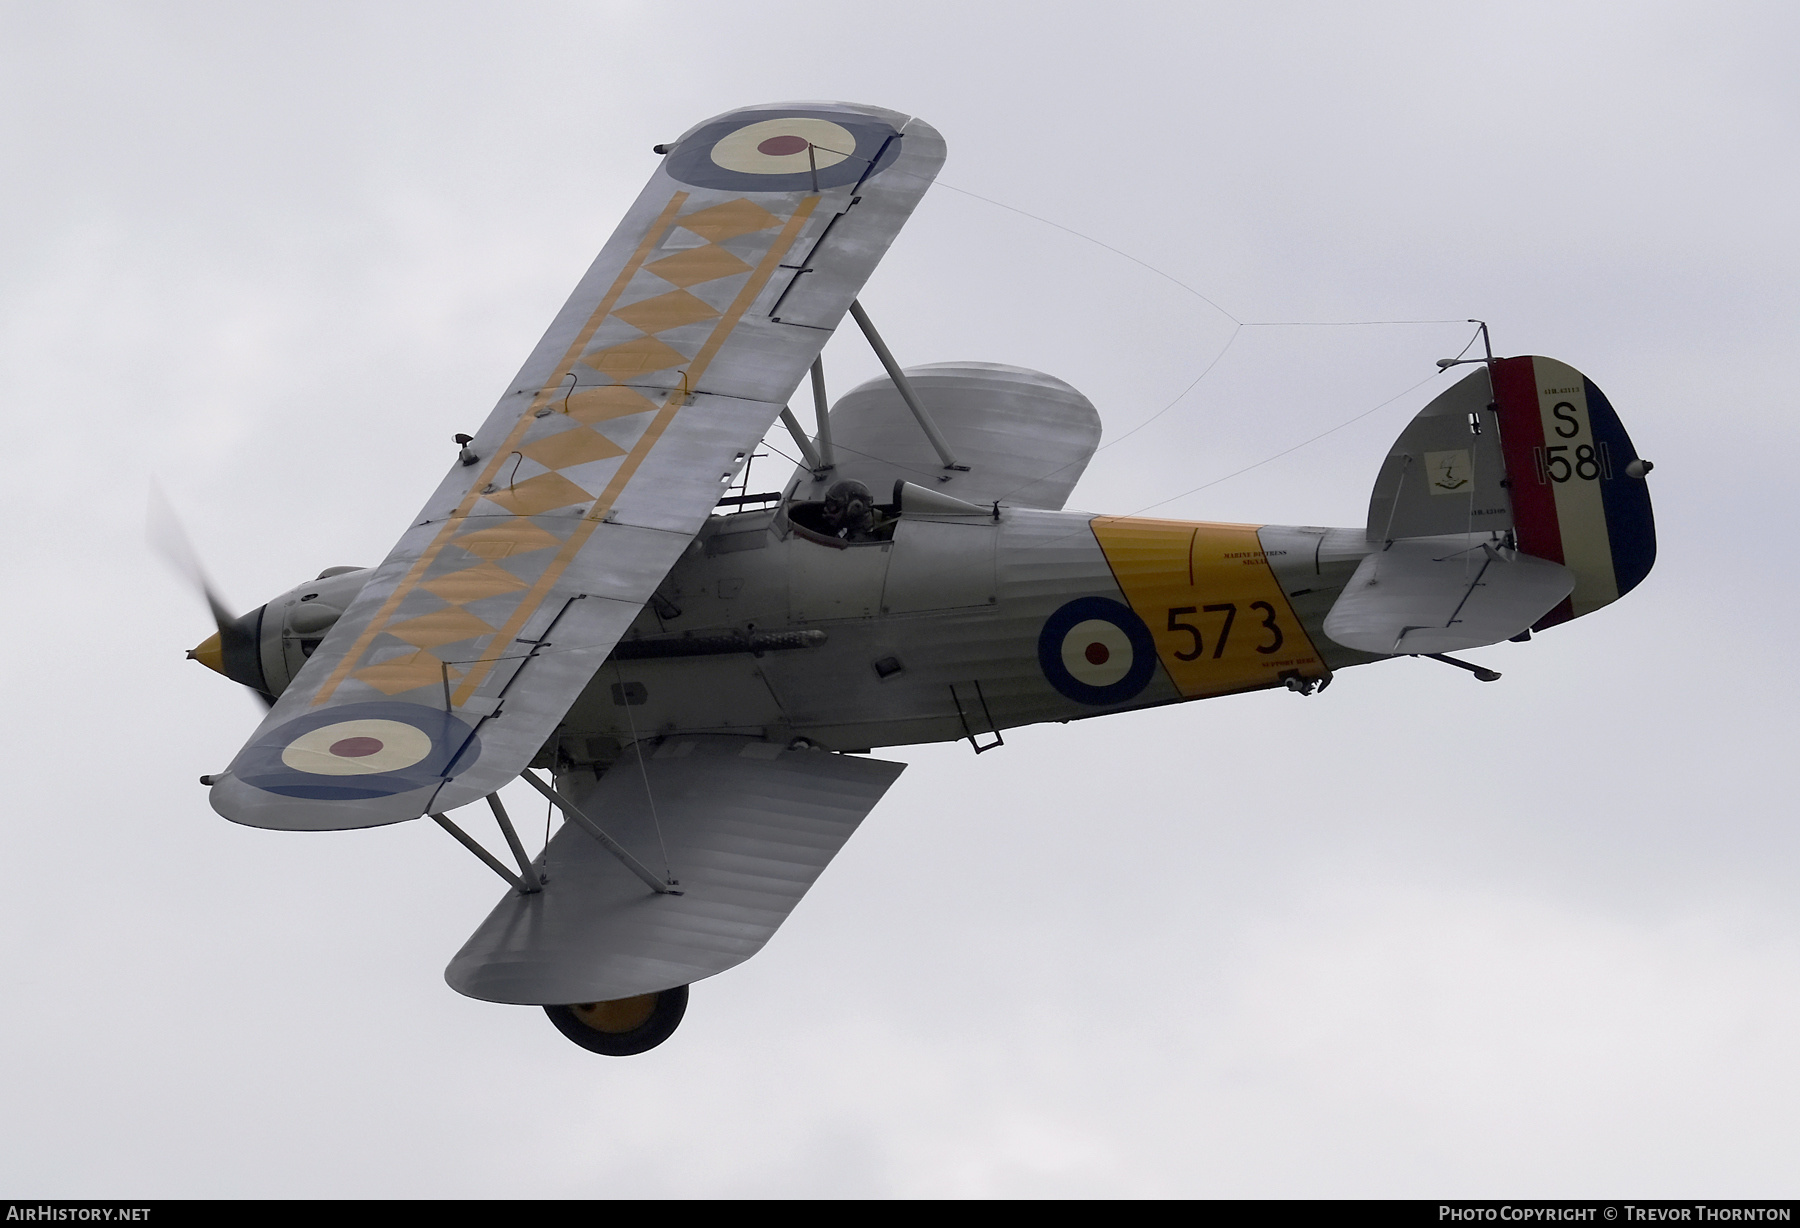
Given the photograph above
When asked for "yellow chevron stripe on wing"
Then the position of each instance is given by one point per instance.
(653, 236)
(607, 498)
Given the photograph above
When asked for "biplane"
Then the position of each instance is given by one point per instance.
(695, 678)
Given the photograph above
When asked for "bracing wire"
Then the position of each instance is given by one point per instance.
(1285, 451)
(1238, 325)
(1097, 243)
(643, 772)
(1237, 322)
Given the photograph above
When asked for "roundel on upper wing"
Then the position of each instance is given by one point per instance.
(780, 147)
(358, 751)
(1096, 651)
(783, 154)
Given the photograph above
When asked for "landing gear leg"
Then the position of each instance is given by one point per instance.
(623, 1026)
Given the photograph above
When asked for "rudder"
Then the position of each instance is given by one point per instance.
(1578, 494)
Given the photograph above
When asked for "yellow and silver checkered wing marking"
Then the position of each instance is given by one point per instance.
(671, 359)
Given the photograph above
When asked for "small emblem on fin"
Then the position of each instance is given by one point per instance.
(1449, 472)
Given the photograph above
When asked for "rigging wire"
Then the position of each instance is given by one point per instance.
(1096, 242)
(1322, 434)
(1303, 443)
(1179, 397)
(1238, 324)
(644, 772)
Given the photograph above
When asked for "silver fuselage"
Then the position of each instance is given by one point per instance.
(932, 636)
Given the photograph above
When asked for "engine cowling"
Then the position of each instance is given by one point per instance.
(266, 647)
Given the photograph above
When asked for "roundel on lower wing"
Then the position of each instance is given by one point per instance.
(1096, 651)
(771, 155)
(357, 748)
(358, 751)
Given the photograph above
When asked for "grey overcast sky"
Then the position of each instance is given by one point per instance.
(1417, 936)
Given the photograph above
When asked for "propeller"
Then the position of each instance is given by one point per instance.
(234, 649)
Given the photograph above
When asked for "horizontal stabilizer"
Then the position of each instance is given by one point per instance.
(1440, 594)
(748, 828)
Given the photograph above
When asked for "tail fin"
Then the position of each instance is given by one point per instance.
(1446, 473)
(1536, 448)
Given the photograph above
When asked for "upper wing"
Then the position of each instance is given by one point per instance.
(674, 355)
(1023, 437)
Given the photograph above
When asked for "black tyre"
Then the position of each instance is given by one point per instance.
(623, 1026)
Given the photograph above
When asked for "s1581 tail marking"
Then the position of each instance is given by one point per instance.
(1573, 500)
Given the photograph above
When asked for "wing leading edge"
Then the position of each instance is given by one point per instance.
(674, 355)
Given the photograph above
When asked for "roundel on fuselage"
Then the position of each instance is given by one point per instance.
(1096, 651)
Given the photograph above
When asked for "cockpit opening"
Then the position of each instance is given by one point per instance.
(847, 513)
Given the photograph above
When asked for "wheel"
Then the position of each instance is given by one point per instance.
(623, 1026)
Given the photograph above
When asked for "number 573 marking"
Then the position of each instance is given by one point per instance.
(1229, 609)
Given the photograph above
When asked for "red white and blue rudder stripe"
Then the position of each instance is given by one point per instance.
(1577, 497)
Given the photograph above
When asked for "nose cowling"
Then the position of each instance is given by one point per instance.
(265, 648)
(235, 651)
(209, 653)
